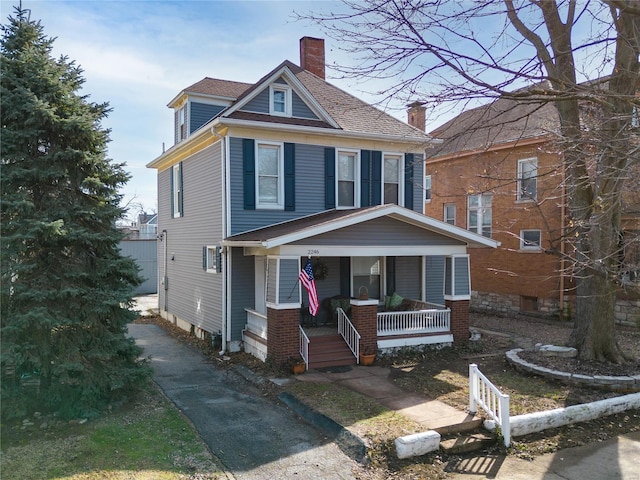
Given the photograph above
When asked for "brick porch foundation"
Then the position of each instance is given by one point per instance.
(283, 334)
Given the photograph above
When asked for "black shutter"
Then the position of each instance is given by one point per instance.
(204, 257)
(181, 196)
(376, 177)
(408, 180)
(289, 176)
(249, 169)
(365, 174)
(391, 275)
(345, 276)
(218, 259)
(329, 178)
(172, 191)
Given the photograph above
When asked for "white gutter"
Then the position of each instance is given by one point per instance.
(318, 130)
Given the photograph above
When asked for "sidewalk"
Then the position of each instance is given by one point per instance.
(374, 382)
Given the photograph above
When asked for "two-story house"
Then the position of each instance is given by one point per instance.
(263, 177)
(498, 172)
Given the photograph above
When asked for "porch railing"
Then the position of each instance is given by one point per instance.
(419, 321)
(304, 347)
(349, 333)
(484, 393)
(256, 323)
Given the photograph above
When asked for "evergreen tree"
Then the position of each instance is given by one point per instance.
(66, 291)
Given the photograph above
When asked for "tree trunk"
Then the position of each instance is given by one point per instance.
(594, 329)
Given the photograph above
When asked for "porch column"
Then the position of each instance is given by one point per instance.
(364, 316)
(459, 320)
(283, 333)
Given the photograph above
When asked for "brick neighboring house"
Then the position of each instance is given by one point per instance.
(498, 172)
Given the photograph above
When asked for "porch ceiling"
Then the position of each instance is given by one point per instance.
(388, 227)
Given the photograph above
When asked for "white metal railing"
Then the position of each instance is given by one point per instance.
(256, 323)
(349, 333)
(419, 321)
(484, 393)
(304, 347)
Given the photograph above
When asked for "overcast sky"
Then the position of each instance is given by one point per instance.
(137, 55)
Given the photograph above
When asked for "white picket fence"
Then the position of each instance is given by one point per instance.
(485, 394)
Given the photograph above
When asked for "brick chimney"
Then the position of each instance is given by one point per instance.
(416, 116)
(312, 55)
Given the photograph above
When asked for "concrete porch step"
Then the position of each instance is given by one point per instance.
(467, 442)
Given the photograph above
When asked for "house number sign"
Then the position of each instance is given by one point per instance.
(313, 251)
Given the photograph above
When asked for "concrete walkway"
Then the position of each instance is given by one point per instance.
(374, 382)
(614, 459)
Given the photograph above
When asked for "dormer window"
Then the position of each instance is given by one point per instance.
(182, 120)
(280, 100)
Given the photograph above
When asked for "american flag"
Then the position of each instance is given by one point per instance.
(306, 277)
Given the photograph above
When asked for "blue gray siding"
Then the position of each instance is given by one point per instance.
(289, 283)
(380, 232)
(259, 104)
(300, 109)
(309, 189)
(408, 271)
(201, 113)
(242, 291)
(193, 294)
(434, 279)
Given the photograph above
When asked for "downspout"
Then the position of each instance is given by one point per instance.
(165, 279)
(224, 330)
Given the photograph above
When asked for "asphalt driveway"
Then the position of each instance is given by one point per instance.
(252, 436)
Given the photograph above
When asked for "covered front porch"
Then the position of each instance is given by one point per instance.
(386, 278)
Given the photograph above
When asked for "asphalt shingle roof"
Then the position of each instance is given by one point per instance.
(504, 121)
(348, 111)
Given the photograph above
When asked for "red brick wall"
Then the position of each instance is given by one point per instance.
(365, 320)
(283, 334)
(505, 270)
(312, 55)
(459, 320)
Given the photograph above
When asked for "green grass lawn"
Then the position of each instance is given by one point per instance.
(149, 439)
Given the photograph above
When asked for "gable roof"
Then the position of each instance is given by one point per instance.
(214, 87)
(505, 121)
(336, 108)
(330, 220)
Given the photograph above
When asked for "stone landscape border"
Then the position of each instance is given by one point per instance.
(612, 383)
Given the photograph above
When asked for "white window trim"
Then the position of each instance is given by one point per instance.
(519, 197)
(430, 188)
(400, 157)
(211, 259)
(454, 295)
(182, 120)
(175, 172)
(530, 248)
(481, 208)
(444, 213)
(280, 204)
(356, 178)
(280, 87)
(383, 279)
